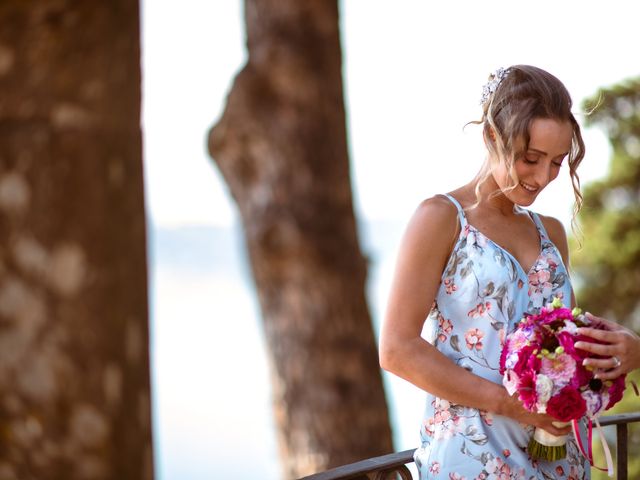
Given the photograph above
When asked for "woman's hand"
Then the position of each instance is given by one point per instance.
(512, 407)
(621, 348)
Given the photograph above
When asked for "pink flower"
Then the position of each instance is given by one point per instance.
(445, 328)
(480, 310)
(486, 417)
(544, 276)
(429, 427)
(456, 476)
(473, 337)
(533, 278)
(449, 286)
(498, 470)
(559, 368)
(434, 468)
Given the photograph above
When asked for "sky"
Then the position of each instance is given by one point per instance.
(413, 73)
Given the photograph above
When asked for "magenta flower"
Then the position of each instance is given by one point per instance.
(527, 390)
(567, 405)
(615, 391)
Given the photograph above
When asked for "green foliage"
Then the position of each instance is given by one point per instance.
(608, 265)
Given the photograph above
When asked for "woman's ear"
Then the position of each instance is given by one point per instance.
(490, 137)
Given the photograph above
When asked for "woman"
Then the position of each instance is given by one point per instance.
(473, 262)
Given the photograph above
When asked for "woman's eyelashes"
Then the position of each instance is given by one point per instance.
(534, 160)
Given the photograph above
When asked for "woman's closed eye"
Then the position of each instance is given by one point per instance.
(559, 161)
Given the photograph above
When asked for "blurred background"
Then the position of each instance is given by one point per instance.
(413, 73)
(264, 299)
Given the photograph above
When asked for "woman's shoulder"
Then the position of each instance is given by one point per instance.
(437, 211)
(435, 220)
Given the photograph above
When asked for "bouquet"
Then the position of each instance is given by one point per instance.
(540, 363)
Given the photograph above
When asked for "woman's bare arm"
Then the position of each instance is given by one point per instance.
(423, 254)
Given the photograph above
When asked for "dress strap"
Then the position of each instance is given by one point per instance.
(461, 215)
(538, 222)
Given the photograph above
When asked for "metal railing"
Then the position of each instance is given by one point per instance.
(394, 465)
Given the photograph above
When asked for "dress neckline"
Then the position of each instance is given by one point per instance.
(509, 254)
(539, 229)
(542, 234)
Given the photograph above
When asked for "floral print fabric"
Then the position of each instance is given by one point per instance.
(484, 292)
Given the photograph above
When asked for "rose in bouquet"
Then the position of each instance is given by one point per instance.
(540, 363)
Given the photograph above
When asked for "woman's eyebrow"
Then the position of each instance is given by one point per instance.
(537, 151)
(541, 152)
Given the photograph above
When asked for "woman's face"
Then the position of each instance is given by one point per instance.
(549, 145)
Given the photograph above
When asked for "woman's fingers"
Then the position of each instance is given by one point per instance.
(596, 348)
(552, 429)
(602, 363)
(609, 374)
(602, 335)
(605, 368)
(608, 323)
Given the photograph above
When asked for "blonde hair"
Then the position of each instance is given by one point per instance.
(524, 94)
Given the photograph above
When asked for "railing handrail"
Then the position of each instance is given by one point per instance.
(398, 459)
(620, 418)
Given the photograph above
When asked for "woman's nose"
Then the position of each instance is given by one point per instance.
(544, 174)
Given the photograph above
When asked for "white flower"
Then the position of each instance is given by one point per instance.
(570, 327)
(544, 387)
(510, 382)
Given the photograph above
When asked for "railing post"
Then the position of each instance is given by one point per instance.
(621, 450)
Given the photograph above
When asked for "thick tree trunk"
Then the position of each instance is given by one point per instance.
(74, 368)
(281, 146)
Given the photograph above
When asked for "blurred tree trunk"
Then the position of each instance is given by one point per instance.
(281, 146)
(74, 367)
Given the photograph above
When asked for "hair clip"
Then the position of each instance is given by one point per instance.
(492, 85)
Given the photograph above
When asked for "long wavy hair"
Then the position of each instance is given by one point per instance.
(526, 93)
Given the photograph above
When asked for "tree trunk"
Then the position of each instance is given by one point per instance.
(74, 366)
(281, 146)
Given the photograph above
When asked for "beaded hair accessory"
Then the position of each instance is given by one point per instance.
(492, 85)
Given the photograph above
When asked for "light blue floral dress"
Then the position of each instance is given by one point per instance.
(484, 292)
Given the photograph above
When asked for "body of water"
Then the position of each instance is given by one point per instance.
(212, 398)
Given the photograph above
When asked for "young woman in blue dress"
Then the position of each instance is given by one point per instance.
(472, 262)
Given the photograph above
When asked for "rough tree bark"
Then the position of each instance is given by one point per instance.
(281, 147)
(74, 369)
